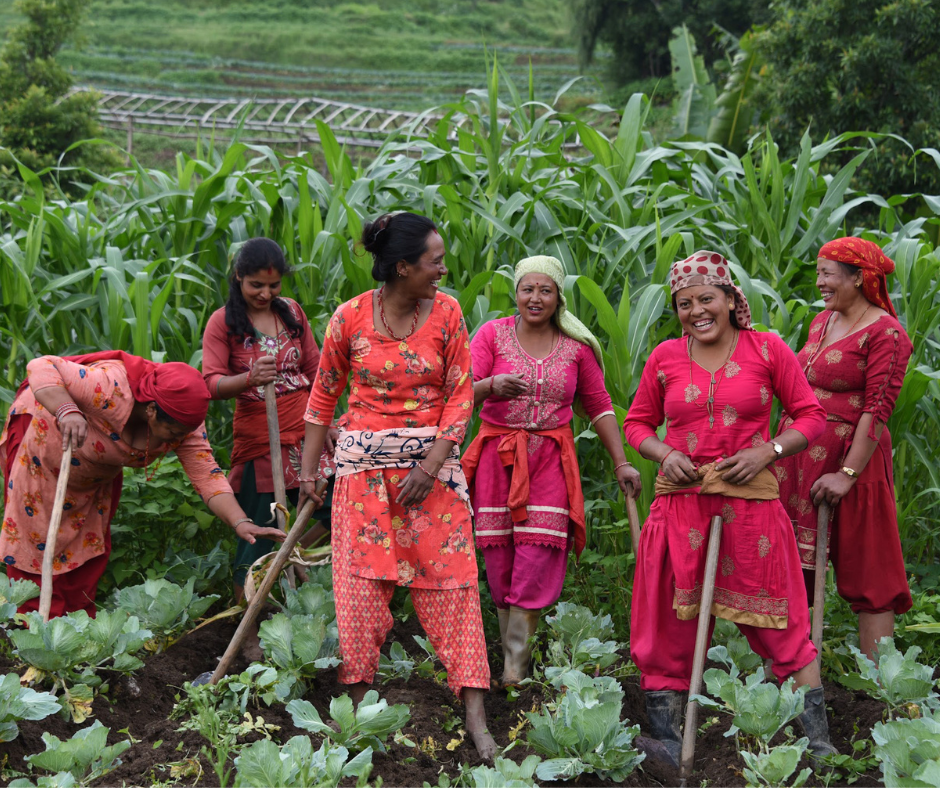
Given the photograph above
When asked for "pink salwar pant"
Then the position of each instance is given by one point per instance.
(529, 576)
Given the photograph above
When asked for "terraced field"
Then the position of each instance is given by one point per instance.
(395, 54)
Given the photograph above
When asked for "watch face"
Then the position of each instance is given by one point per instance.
(778, 448)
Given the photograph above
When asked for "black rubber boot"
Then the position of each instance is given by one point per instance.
(815, 725)
(664, 709)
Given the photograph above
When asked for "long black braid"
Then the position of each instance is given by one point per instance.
(257, 254)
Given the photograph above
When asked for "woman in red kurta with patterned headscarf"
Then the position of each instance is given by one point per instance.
(116, 411)
(855, 359)
(714, 389)
(401, 510)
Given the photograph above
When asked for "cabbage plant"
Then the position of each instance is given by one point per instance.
(164, 607)
(72, 651)
(579, 640)
(902, 683)
(299, 647)
(582, 732)
(21, 703)
(367, 726)
(760, 711)
(14, 593)
(86, 756)
(307, 599)
(297, 765)
(909, 751)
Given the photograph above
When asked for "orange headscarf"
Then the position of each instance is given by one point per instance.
(875, 265)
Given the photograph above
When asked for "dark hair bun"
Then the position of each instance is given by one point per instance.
(394, 237)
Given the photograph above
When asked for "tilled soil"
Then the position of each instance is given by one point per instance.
(140, 706)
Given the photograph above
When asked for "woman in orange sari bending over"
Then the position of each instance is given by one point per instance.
(401, 511)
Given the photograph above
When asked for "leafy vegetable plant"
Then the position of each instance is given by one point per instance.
(397, 665)
(579, 639)
(307, 599)
(73, 649)
(297, 765)
(21, 703)
(760, 711)
(582, 733)
(164, 607)
(86, 756)
(504, 773)
(298, 647)
(367, 726)
(909, 751)
(14, 593)
(902, 683)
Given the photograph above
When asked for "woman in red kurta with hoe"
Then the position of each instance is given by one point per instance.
(714, 389)
(261, 337)
(401, 512)
(855, 359)
(116, 410)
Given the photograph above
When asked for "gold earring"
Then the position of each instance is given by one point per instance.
(858, 284)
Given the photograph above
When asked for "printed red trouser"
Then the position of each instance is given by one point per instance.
(451, 618)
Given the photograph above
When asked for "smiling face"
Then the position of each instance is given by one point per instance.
(424, 277)
(260, 288)
(836, 286)
(704, 312)
(537, 299)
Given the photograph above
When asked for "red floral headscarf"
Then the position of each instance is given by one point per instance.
(875, 265)
(710, 268)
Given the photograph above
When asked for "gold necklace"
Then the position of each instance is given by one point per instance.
(713, 384)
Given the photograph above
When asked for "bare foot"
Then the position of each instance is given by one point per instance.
(476, 723)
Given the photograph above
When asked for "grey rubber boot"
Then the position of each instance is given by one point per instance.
(520, 629)
(815, 725)
(665, 709)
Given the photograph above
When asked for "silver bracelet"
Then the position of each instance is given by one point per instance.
(239, 522)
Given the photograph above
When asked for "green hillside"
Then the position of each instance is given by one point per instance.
(402, 54)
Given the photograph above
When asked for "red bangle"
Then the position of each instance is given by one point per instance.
(419, 465)
(667, 454)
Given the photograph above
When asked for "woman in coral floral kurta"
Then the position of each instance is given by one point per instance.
(31, 452)
(401, 512)
(419, 383)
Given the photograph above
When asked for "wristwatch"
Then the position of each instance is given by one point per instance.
(850, 472)
(778, 449)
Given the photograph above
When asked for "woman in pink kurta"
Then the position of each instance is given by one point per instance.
(401, 514)
(117, 411)
(714, 389)
(529, 370)
(855, 359)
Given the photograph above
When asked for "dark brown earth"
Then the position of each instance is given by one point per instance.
(141, 707)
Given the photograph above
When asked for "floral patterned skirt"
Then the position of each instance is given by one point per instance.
(425, 546)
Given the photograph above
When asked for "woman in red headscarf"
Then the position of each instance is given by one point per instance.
(855, 359)
(116, 411)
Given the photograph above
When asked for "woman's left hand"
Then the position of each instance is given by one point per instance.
(629, 480)
(415, 487)
(743, 466)
(831, 488)
(250, 532)
(329, 443)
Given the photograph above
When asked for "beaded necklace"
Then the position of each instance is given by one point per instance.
(392, 334)
(819, 347)
(713, 383)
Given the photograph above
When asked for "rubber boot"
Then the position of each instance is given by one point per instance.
(815, 725)
(520, 629)
(664, 709)
(503, 616)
